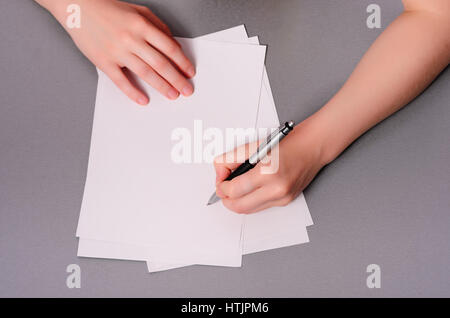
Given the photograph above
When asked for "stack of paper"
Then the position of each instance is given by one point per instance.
(139, 204)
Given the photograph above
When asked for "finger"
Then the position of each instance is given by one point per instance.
(241, 185)
(153, 18)
(164, 68)
(170, 48)
(266, 197)
(260, 208)
(116, 74)
(225, 163)
(222, 173)
(264, 206)
(144, 71)
(250, 203)
(223, 169)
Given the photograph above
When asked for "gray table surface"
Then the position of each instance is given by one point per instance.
(385, 200)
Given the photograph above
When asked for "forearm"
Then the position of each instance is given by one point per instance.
(400, 64)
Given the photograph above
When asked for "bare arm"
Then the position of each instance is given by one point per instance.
(399, 65)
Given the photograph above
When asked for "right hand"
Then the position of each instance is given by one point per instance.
(115, 35)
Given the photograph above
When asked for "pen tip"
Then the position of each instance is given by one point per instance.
(213, 199)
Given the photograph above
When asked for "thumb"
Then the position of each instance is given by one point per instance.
(225, 163)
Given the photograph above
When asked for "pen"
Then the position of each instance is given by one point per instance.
(263, 149)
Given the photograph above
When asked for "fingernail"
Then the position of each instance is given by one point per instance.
(172, 93)
(191, 71)
(142, 101)
(187, 90)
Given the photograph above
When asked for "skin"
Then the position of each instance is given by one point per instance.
(116, 35)
(399, 65)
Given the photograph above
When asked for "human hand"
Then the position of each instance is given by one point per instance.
(116, 35)
(274, 183)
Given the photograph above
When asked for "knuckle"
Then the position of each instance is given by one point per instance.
(144, 71)
(119, 83)
(123, 86)
(227, 203)
(125, 37)
(218, 161)
(286, 200)
(236, 207)
(145, 9)
(231, 191)
(115, 77)
(179, 81)
(172, 49)
(281, 189)
(161, 64)
(240, 210)
(166, 29)
(160, 86)
(220, 192)
(138, 23)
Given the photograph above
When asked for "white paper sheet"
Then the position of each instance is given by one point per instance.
(125, 199)
(276, 227)
(266, 230)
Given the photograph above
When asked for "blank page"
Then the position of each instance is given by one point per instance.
(134, 191)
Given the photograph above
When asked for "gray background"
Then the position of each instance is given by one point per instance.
(385, 200)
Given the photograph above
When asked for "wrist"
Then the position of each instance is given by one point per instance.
(58, 8)
(318, 133)
(308, 139)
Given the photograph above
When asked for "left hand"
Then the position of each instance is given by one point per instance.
(117, 35)
(299, 158)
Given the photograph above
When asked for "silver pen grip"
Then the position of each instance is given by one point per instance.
(270, 143)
